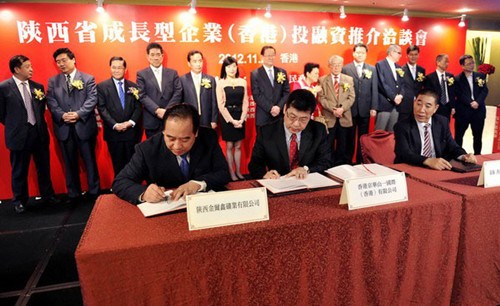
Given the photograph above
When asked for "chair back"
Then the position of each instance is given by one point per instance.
(378, 147)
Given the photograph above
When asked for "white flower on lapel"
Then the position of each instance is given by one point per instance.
(367, 73)
(78, 84)
(39, 94)
(205, 83)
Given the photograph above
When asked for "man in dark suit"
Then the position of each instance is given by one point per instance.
(414, 76)
(72, 97)
(471, 92)
(270, 88)
(366, 100)
(185, 157)
(198, 89)
(294, 145)
(121, 111)
(153, 96)
(443, 83)
(390, 89)
(425, 139)
(22, 109)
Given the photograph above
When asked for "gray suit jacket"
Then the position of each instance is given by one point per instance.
(82, 101)
(208, 98)
(365, 89)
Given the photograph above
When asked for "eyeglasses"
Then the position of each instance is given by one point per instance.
(294, 118)
(398, 52)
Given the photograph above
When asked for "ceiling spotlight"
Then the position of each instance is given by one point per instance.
(405, 17)
(100, 8)
(342, 12)
(267, 14)
(462, 21)
(192, 9)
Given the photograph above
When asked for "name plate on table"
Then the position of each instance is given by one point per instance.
(490, 174)
(373, 191)
(227, 208)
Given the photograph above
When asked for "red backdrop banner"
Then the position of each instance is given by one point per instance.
(37, 30)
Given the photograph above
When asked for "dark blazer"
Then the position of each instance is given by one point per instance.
(432, 82)
(463, 94)
(208, 98)
(388, 88)
(82, 101)
(270, 151)
(412, 87)
(153, 98)
(153, 162)
(365, 88)
(408, 144)
(14, 116)
(266, 96)
(112, 112)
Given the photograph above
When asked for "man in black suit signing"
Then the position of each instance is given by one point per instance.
(22, 110)
(294, 145)
(184, 156)
(120, 109)
(425, 139)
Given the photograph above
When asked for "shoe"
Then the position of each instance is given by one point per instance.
(72, 200)
(51, 200)
(19, 208)
(234, 178)
(240, 176)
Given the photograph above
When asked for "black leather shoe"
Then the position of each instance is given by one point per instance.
(51, 200)
(19, 208)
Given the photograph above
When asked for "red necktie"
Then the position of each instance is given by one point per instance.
(336, 85)
(294, 154)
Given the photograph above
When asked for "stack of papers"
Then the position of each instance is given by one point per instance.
(312, 181)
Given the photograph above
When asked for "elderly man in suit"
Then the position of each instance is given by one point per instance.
(72, 97)
(158, 87)
(425, 139)
(22, 110)
(120, 109)
(443, 83)
(471, 91)
(198, 89)
(337, 98)
(184, 157)
(294, 145)
(365, 103)
(390, 89)
(414, 76)
(270, 88)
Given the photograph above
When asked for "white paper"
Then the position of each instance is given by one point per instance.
(345, 172)
(312, 180)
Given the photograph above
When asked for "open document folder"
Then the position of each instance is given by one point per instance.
(153, 209)
(345, 172)
(312, 181)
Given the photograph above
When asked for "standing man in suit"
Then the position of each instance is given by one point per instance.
(443, 83)
(198, 89)
(72, 97)
(337, 98)
(365, 103)
(425, 139)
(294, 145)
(184, 156)
(121, 111)
(390, 89)
(414, 76)
(471, 91)
(270, 88)
(158, 87)
(22, 110)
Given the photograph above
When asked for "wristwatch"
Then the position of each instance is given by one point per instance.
(306, 168)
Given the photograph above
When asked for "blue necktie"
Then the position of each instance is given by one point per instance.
(121, 93)
(184, 166)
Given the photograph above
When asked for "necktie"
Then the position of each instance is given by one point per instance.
(68, 83)
(158, 77)
(427, 152)
(443, 99)
(414, 72)
(184, 166)
(197, 87)
(121, 93)
(359, 70)
(28, 105)
(294, 156)
(271, 76)
(336, 85)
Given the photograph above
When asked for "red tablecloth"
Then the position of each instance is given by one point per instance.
(477, 279)
(311, 252)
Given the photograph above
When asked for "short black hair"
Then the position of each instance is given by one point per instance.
(66, 51)
(154, 45)
(118, 58)
(308, 67)
(439, 57)
(16, 62)
(463, 58)
(302, 100)
(183, 111)
(193, 52)
(229, 60)
(263, 50)
(360, 45)
(429, 92)
(412, 48)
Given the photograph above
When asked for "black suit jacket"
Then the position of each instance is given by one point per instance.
(208, 98)
(388, 87)
(266, 96)
(153, 98)
(409, 146)
(14, 116)
(365, 88)
(153, 162)
(463, 94)
(112, 112)
(432, 82)
(270, 151)
(412, 87)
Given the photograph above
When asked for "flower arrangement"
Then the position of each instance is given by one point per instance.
(480, 82)
(39, 95)
(367, 73)
(134, 91)
(345, 87)
(486, 69)
(400, 72)
(78, 84)
(205, 83)
(450, 80)
(420, 77)
(280, 77)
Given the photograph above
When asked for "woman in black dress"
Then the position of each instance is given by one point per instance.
(232, 99)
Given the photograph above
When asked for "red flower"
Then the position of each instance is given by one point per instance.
(486, 69)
